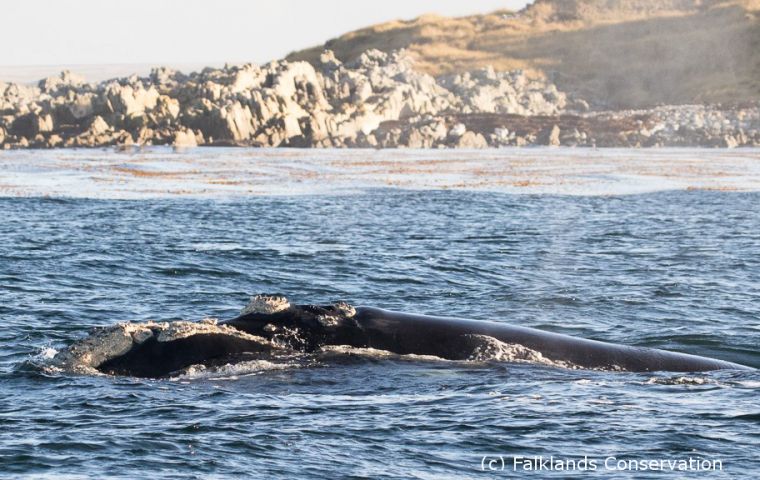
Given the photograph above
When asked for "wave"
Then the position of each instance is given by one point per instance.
(332, 351)
(681, 380)
(232, 371)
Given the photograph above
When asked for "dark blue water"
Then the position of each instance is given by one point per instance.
(676, 270)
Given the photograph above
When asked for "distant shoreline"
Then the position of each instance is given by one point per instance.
(378, 100)
(31, 74)
(582, 73)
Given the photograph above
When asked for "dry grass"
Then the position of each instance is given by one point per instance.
(617, 53)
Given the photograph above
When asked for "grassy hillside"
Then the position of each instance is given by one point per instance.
(615, 53)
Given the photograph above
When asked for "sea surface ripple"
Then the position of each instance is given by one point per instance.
(675, 270)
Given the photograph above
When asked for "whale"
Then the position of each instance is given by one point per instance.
(271, 325)
(455, 338)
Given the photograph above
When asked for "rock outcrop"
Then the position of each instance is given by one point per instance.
(376, 100)
(615, 54)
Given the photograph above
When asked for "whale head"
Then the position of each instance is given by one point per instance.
(303, 327)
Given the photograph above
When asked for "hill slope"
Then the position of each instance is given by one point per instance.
(614, 53)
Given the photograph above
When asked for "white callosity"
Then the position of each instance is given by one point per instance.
(266, 304)
(487, 348)
(104, 344)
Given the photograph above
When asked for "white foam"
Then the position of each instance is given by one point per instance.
(375, 353)
(215, 247)
(47, 353)
(487, 349)
(228, 173)
(680, 380)
(230, 371)
(749, 384)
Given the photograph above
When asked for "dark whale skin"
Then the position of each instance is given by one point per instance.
(307, 328)
(154, 359)
(405, 333)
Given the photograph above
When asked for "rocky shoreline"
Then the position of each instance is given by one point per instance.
(376, 101)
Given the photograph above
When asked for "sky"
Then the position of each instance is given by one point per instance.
(93, 32)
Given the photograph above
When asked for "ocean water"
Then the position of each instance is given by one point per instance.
(677, 270)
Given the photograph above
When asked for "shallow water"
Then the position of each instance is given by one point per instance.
(160, 172)
(677, 270)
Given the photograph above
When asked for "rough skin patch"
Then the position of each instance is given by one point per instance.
(266, 304)
(491, 349)
(104, 344)
(345, 308)
(328, 320)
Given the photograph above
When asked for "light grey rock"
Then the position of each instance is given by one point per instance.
(376, 100)
(471, 140)
(98, 126)
(65, 79)
(457, 131)
(131, 101)
(184, 138)
(728, 141)
(235, 121)
(81, 106)
(551, 137)
(487, 91)
(54, 141)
